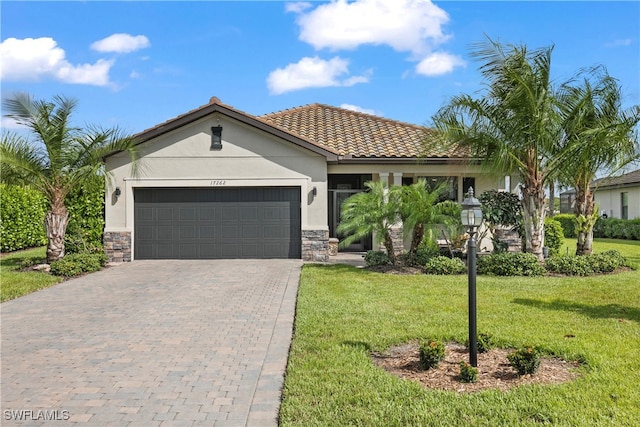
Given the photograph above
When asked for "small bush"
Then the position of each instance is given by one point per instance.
(444, 265)
(31, 261)
(375, 258)
(568, 223)
(431, 353)
(585, 265)
(525, 360)
(553, 236)
(468, 374)
(510, 264)
(76, 264)
(485, 342)
(616, 228)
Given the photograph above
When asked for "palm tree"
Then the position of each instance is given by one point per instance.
(375, 212)
(598, 136)
(58, 158)
(512, 128)
(420, 212)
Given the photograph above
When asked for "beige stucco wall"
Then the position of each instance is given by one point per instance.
(609, 201)
(249, 158)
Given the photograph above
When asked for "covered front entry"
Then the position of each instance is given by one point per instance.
(217, 223)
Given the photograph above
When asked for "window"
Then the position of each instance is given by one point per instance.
(451, 183)
(624, 205)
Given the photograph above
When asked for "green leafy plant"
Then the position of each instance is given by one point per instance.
(500, 208)
(79, 263)
(568, 223)
(444, 265)
(616, 228)
(31, 261)
(468, 374)
(553, 235)
(525, 360)
(586, 265)
(485, 342)
(510, 264)
(431, 353)
(22, 212)
(375, 258)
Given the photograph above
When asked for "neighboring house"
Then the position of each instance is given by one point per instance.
(567, 201)
(619, 196)
(217, 182)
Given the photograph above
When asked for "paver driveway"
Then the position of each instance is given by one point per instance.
(152, 343)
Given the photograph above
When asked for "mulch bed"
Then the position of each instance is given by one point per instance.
(495, 372)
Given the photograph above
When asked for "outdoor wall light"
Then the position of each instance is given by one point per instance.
(216, 137)
(314, 191)
(118, 192)
(471, 217)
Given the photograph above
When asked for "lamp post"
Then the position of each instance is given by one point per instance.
(471, 217)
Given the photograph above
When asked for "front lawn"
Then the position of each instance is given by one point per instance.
(345, 313)
(15, 283)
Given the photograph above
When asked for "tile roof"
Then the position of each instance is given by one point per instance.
(627, 179)
(357, 134)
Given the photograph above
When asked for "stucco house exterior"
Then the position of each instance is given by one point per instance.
(217, 182)
(619, 196)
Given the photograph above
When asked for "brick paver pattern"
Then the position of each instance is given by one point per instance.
(152, 343)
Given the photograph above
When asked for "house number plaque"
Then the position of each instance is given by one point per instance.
(218, 182)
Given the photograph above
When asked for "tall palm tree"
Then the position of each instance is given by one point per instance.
(420, 211)
(375, 212)
(599, 135)
(512, 128)
(55, 157)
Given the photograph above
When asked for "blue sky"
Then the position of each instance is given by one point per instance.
(137, 64)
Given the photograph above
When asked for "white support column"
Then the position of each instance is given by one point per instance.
(384, 177)
(397, 178)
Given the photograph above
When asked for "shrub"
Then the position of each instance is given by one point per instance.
(86, 217)
(510, 264)
(568, 223)
(31, 261)
(444, 265)
(431, 353)
(553, 236)
(525, 360)
(76, 264)
(585, 265)
(375, 258)
(468, 374)
(485, 342)
(22, 212)
(616, 228)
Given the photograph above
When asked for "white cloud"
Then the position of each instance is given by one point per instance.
(121, 43)
(297, 7)
(358, 109)
(312, 72)
(34, 59)
(405, 25)
(619, 42)
(7, 123)
(439, 63)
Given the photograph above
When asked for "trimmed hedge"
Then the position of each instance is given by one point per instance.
(553, 235)
(586, 265)
(86, 217)
(615, 228)
(444, 265)
(76, 264)
(568, 222)
(22, 212)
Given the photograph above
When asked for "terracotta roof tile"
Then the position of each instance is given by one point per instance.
(357, 134)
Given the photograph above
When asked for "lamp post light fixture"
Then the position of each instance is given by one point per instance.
(471, 217)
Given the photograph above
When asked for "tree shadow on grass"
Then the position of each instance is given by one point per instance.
(609, 311)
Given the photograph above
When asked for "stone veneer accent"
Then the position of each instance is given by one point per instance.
(509, 237)
(315, 245)
(117, 245)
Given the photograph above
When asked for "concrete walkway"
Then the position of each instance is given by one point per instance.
(152, 343)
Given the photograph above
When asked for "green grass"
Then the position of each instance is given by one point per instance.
(345, 313)
(15, 283)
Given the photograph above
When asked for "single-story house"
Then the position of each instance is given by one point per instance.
(619, 196)
(217, 182)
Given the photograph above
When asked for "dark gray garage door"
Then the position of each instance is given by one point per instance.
(213, 223)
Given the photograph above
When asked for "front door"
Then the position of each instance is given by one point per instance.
(337, 199)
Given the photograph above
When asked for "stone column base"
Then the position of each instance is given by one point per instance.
(315, 245)
(117, 245)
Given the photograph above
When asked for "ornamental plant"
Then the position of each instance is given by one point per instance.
(468, 374)
(525, 360)
(431, 354)
(485, 342)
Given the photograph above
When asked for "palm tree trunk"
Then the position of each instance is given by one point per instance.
(56, 226)
(418, 235)
(388, 244)
(534, 213)
(584, 209)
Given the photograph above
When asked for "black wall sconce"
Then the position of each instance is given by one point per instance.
(118, 192)
(314, 191)
(216, 137)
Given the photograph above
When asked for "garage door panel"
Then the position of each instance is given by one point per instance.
(217, 223)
